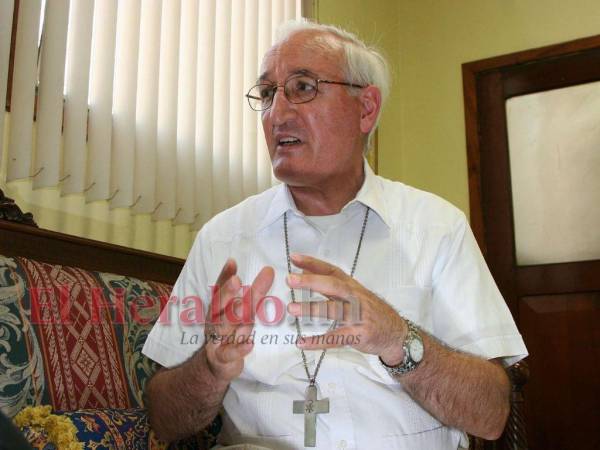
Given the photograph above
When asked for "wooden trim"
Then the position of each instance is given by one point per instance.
(554, 73)
(58, 248)
(527, 56)
(552, 279)
(310, 9)
(494, 170)
(487, 84)
(472, 73)
(473, 151)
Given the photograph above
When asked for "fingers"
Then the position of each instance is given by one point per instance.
(232, 312)
(229, 296)
(233, 320)
(262, 283)
(239, 310)
(234, 346)
(230, 290)
(344, 312)
(240, 335)
(325, 284)
(318, 266)
(229, 353)
(226, 287)
(225, 307)
(229, 269)
(226, 360)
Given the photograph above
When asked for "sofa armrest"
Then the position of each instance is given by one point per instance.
(514, 436)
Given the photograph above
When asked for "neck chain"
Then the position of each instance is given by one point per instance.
(312, 379)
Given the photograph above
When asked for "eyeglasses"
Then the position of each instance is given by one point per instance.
(297, 89)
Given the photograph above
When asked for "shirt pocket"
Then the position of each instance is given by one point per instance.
(275, 409)
(256, 410)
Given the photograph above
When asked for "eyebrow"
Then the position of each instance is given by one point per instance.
(265, 76)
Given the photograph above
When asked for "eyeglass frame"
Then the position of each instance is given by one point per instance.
(297, 75)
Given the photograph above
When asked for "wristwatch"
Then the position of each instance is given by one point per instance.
(413, 352)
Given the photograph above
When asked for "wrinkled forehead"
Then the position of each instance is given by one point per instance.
(304, 51)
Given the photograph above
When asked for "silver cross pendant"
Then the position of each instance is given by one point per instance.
(310, 407)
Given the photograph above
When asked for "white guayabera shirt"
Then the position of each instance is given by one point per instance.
(418, 254)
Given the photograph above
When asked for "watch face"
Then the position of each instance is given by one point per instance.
(416, 350)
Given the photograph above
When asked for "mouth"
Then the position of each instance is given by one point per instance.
(288, 141)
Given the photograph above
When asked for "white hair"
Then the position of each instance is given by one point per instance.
(365, 65)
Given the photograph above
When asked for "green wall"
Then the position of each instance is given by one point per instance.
(422, 138)
(376, 22)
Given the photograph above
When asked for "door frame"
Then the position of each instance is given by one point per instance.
(487, 84)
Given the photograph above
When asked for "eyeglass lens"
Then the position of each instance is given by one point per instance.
(297, 89)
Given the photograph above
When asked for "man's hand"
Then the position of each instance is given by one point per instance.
(460, 390)
(184, 399)
(358, 311)
(227, 342)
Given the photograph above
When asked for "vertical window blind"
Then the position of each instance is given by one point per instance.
(139, 102)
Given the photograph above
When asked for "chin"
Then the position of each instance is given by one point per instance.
(294, 169)
(288, 174)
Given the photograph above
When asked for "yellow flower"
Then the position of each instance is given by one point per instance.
(59, 429)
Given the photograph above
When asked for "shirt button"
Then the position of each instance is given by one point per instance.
(342, 444)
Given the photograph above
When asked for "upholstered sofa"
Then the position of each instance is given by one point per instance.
(74, 315)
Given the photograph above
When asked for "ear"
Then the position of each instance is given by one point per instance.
(370, 101)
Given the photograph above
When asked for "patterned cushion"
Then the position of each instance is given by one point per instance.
(73, 338)
(119, 429)
(92, 429)
(114, 428)
(129, 429)
(38, 438)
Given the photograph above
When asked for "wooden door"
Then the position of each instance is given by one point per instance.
(556, 303)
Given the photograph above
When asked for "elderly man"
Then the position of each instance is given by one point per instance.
(406, 344)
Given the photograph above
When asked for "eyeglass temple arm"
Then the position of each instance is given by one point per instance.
(342, 83)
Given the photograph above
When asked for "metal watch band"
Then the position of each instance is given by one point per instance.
(407, 364)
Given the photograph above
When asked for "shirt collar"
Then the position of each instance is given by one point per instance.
(370, 194)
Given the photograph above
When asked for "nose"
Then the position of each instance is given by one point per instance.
(281, 109)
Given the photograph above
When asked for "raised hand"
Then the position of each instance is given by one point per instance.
(364, 321)
(228, 341)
